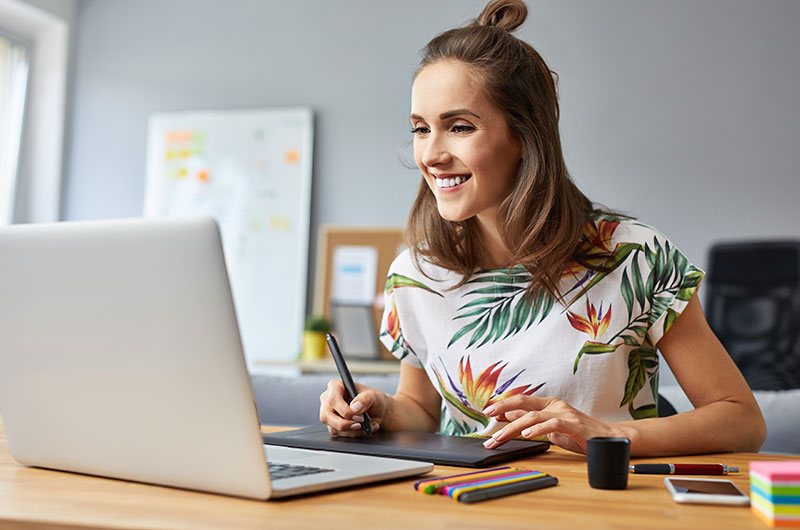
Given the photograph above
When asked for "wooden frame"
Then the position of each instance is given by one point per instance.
(387, 240)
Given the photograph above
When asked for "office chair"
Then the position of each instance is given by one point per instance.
(753, 306)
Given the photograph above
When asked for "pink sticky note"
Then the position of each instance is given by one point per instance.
(783, 470)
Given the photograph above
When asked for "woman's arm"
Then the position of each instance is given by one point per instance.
(414, 407)
(726, 417)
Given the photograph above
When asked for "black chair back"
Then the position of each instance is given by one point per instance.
(753, 306)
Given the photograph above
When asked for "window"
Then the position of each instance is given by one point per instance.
(13, 85)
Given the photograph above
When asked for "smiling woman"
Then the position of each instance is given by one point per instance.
(520, 309)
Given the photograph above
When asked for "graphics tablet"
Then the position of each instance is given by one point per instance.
(442, 449)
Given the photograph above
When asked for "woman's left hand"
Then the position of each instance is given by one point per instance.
(532, 416)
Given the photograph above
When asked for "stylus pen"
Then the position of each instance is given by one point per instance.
(683, 469)
(507, 489)
(347, 379)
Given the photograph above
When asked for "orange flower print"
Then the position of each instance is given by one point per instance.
(474, 395)
(594, 323)
(393, 323)
(595, 246)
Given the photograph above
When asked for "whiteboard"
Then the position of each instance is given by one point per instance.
(251, 171)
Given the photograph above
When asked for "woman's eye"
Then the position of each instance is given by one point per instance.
(461, 129)
(420, 130)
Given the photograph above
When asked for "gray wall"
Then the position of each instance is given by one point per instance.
(683, 113)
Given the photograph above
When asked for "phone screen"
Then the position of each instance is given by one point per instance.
(702, 487)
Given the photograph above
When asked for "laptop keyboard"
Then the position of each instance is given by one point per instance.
(278, 470)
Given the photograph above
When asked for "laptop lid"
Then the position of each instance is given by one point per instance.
(118, 340)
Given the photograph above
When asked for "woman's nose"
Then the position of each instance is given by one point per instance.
(434, 152)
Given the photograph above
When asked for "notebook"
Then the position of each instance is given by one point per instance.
(120, 356)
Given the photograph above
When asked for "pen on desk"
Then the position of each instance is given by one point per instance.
(347, 379)
(683, 469)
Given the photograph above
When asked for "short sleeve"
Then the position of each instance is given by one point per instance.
(391, 334)
(669, 282)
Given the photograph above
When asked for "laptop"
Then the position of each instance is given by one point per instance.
(120, 356)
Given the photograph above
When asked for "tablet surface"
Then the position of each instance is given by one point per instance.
(441, 449)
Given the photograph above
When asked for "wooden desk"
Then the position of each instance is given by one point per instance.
(38, 498)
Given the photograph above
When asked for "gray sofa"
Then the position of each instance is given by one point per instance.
(283, 400)
(286, 400)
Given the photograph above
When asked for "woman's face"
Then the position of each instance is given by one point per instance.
(462, 143)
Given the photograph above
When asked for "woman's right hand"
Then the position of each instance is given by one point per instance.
(343, 418)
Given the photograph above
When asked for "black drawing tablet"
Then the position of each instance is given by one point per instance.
(428, 447)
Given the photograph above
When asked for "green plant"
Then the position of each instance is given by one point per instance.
(317, 323)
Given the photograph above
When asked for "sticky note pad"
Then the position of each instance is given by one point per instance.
(775, 492)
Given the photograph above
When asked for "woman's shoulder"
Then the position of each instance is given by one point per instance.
(415, 267)
(615, 229)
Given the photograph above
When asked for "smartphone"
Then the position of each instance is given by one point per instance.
(705, 490)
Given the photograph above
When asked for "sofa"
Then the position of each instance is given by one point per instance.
(294, 400)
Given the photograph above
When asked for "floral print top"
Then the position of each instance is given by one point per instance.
(486, 341)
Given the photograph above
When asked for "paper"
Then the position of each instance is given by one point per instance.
(355, 269)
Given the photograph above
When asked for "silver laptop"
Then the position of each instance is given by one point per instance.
(120, 356)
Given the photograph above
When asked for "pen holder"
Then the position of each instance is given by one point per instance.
(607, 461)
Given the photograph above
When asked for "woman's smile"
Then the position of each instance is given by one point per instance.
(449, 183)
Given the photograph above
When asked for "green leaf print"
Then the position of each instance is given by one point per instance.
(463, 331)
(593, 348)
(689, 285)
(638, 285)
(627, 292)
(672, 315)
(621, 253)
(398, 280)
(452, 427)
(637, 375)
(501, 309)
(480, 331)
(630, 341)
(646, 411)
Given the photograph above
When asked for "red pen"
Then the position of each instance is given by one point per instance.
(683, 469)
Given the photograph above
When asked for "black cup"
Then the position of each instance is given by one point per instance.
(607, 460)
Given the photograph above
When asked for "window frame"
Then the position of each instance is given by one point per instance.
(9, 202)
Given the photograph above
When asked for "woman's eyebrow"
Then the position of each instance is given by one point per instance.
(457, 112)
(448, 114)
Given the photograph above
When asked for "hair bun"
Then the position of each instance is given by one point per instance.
(503, 14)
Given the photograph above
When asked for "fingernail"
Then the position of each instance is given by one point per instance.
(357, 406)
(358, 418)
(490, 410)
(488, 443)
(375, 427)
(498, 434)
(355, 427)
(526, 433)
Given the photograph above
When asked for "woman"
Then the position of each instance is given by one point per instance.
(519, 309)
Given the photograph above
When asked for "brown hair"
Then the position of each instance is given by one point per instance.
(542, 218)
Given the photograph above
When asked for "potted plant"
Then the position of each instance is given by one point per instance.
(314, 331)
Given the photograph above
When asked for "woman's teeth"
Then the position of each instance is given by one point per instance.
(450, 182)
